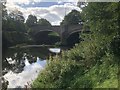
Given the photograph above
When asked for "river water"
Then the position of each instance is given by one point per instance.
(22, 65)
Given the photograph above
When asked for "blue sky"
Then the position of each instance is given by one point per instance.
(40, 4)
(52, 10)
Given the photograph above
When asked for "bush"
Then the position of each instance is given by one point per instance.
(58, 74)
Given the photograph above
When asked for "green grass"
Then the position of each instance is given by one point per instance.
(53, 34)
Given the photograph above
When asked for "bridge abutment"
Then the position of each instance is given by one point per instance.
(64, 33)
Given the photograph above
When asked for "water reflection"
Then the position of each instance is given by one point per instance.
(29, 73)
(13, 59)
(22, 65)
(54, 50)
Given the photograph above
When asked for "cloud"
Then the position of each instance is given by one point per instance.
(22, 1)
(54, 13)
(52, 17)
(18, 1)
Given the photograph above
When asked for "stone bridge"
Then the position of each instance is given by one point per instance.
(63, 31)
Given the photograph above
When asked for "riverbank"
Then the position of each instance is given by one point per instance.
(30, 46)
(43, 45)
(71, 71)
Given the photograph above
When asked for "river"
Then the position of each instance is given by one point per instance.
(22, 65)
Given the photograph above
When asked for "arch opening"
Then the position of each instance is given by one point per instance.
(73, 38)
(46, 37)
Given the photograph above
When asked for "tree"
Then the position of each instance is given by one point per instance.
(43, 21)
(17, 15)
(81, 4)
(102, 19)
(31, 20)
(72, 18)
(14, 29)
(4, 10)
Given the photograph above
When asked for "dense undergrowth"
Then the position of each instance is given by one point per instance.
(68, 73)
(93, 63)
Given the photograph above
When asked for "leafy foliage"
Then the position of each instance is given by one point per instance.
(4, 10)
(17, 15)
(57, 74)
(31, 20)
(72, 18)
(44, 22)
(14, 29)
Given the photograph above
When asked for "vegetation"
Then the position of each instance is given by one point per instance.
(72, 18)
(13, 28)
(31, 20)
(53, 34)
(43, 22)
(18, 32)
(93, 63)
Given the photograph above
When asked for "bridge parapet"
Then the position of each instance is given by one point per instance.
(39, 28)
(59, 29)
(75, 28)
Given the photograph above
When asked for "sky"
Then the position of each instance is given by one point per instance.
(52, 10)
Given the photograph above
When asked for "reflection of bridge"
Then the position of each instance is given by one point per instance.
(63, 31)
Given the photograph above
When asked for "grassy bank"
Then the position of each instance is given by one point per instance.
(69, 72)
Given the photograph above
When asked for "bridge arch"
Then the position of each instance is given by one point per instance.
(73, 37)
(46, 30)
(64, 32)
(46, 37)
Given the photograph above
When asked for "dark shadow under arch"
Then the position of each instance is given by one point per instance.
(46, 37)
(73, 38)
